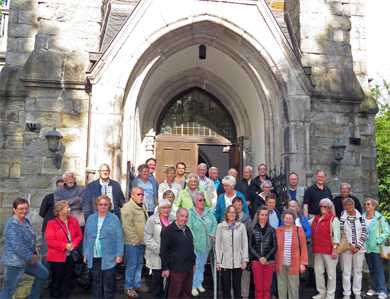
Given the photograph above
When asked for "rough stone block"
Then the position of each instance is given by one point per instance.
(4, 170)
(15, 171)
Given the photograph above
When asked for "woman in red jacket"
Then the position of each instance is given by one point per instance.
(63, 235)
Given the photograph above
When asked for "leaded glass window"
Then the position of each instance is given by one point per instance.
(195, 112)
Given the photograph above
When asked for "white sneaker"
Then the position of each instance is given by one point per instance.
(201, 289)
(371, 292)
(194, 292)
(382, 295)
(318, 296)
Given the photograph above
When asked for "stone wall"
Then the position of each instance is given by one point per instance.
(43, 85)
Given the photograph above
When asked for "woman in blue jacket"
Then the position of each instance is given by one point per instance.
(301, 219)
(19, 255)
(226, 199)
(103, 248)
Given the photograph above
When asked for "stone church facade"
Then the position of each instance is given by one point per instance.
(124, 80)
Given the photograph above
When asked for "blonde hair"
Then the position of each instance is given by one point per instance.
(103, 197)
(59, 206)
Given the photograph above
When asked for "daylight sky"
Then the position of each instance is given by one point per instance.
(378, 37)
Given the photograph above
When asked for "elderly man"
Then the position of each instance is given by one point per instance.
(345, 192)
(243, 184)
(206, 183)
(294, 192)
(214, 176)
(104, 185)
(178, 256)
(314, 194)
(134, 217)
(73, 194)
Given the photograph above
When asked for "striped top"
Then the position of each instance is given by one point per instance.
(287, 248)
(355, 229)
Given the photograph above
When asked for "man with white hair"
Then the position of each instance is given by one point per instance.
(243, 184)
(73, 194)
(345, 192)
(214, 176)
(104, 185)
(205, 183)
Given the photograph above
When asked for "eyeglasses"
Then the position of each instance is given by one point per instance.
(200, 199)
(140, 194)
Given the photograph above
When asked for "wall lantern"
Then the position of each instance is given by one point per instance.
(54, 143)
(338, 152)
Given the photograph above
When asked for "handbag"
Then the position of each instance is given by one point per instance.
(74, 254)
(343, 245)
(384, 248)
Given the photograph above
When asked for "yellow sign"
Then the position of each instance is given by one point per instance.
(277, 4)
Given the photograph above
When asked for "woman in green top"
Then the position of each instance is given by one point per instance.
(184, 199)
(203, 226)
(378, 231)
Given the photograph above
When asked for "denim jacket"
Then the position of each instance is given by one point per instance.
(111, 239)
(19, 243)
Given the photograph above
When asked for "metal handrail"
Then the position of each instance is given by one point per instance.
(214, 272)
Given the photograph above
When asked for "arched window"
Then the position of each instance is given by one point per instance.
(196, 112)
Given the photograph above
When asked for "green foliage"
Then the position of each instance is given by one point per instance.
(382, 95)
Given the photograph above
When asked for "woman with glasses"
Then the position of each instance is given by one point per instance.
(378, 231)
(103, 248)
(325, 236)
(19, 254)
(203, 226)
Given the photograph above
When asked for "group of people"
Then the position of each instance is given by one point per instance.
(258, 237)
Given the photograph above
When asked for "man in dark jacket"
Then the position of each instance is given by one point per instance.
(177, 256)
(243, 184)
(345, 192)
(103, 185)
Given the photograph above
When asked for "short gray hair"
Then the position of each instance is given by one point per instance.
(69, 173)
(197, 194)
(193, 175)
(202, 165)
(212, 168)
(104, 165)
(229, 180)
(347, 185)
(249, 167)
(348, 200)
(266, 183)
(180, 210)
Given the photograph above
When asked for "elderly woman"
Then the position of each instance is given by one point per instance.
(145, 181)
(325, 236)
(353, 226)
(291, 257)
(262, 249)
(169, 183)
(63, 236)
(103, 248)
(231, 250)
(378, 231)
(19, 255)
(203, 226)
(226, 199)
(185, 197)
(301, 219)
(152, 237)
(260, 198)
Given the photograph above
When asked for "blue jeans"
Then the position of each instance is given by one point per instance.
(14, 274)
(134, 263)
(201, 259)
(377, 273)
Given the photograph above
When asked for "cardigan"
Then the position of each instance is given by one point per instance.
(298, 249)
(202, 227)
(111, 240)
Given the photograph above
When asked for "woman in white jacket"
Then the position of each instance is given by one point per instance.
(231, 246)
(152, 237)
(354, 229)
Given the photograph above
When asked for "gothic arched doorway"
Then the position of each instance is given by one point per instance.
(195, 127)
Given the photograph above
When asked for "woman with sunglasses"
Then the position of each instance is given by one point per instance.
(203, 226)
(103, 248)
(325, 236)
(378, 231)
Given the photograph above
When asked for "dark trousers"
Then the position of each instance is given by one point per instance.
(231, 277)
(157, 284)
(180, 285)
(103, 281)
(61, 278)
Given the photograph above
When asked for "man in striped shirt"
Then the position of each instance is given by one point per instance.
(353, 227)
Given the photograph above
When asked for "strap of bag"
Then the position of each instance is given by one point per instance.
(66, 234)
(299, 242)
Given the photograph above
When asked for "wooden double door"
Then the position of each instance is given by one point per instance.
(191, 151)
